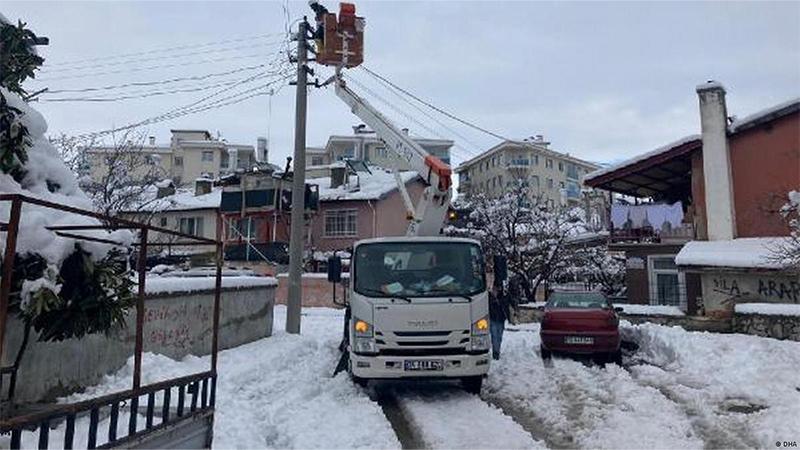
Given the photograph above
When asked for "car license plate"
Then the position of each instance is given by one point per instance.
(423, 364)
(579, 340)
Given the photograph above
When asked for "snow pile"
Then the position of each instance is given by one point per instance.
(364, 186)
(273, 393)
(768, 309)
(649, 310)
(169, 285)
(743, 391)
(45, 167)
(758, 253)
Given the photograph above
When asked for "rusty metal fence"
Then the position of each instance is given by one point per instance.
(199, 387)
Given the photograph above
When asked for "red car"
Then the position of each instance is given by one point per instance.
(580, 322)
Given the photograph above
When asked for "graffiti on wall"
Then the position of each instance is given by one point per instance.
(756, 288)
(170, 325)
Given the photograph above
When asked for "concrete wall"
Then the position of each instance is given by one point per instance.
(317, 290)
(722, 290)
(175, 325)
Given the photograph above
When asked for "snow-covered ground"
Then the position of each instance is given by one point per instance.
(679, 390)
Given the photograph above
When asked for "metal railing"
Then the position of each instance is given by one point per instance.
(200, 386)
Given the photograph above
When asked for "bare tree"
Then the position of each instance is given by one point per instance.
(788, 252)
(117, 177)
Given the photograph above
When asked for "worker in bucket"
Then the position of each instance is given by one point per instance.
(498, 314)
(319, 18)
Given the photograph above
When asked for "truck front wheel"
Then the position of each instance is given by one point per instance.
(472, 384)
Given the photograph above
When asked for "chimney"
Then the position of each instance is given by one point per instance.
(262, 150)
(152, 141)
(338, 174)
(164, 188)
(202, 186)
(720, 214)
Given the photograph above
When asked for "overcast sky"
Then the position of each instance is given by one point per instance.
(602, 81)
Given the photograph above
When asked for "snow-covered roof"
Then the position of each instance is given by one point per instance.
(767, 114)
(745, 253)
(372, 186)
(644, 156)
(181, 200)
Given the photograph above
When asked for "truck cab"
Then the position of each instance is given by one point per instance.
(418, 307)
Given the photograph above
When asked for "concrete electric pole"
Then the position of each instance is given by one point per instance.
(296, 237)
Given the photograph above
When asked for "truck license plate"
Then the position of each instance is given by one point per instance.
(423, 364)
(579, 340)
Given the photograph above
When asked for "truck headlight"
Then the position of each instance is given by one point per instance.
(481, 326)
(365, 346)
(480, 343)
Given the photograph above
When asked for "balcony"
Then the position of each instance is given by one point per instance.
(520, 163)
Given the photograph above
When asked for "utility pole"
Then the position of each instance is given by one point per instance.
(297, 237)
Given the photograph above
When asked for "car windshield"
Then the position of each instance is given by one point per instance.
(419, 269)
(578, 300)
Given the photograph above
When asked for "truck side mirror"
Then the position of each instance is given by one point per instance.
(500, 264)
(334, 269)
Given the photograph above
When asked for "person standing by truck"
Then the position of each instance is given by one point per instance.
(498, 314)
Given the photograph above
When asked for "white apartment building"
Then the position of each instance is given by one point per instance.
(191, 154)
(556, 177)
(365, 145)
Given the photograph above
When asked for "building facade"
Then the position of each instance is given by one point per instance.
(555, 177)
(191, 154)
(731, 181)
(366, 146)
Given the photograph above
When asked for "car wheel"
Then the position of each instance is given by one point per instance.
(357, 380)
(472, 384)
(546, 354)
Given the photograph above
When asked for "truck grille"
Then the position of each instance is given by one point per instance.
(422, 351)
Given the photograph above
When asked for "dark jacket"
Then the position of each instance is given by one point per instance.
(498, 307)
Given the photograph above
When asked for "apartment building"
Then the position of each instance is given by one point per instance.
(365, 145)
(191, 154)
(556, 177)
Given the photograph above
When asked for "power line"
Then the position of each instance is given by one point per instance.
(47, 70)
(405, 99)
(154, 83)
(180, 47)
(145, 94)
(141, 69)
(437, 109)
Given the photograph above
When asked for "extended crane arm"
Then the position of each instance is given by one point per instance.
(428, 216)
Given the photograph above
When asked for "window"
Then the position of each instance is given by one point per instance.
(549, 163)
(493, 161)
(341, 223)
(162, 222)
(560, 166)
(534, 181)
(500, 180)
(191, 225)
(317, 160)
(242, 228)
(573, 189)
(535, 160)
(208, 156)
(179, 161)
(429, 269)
(572, 171)
(667, 284)
(549, 183)
(225, 161)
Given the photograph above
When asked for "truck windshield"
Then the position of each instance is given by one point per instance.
(418, 269)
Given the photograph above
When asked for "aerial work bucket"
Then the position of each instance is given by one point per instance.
(340, 42)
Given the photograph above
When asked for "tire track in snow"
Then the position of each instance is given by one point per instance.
(442, 415)
(715, 429)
